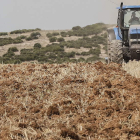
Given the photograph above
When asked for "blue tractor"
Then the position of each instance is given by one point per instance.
(124, 39)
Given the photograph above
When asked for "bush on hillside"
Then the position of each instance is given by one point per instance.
(21, 37)
(3, 33)
(92, 59)
(81, 59)
(61, 39)
(70, 54)
(28, 38)
(63, 34)
(53, 39)
(49, 35)
(55, 34)
(76, 28)
(26, 51)
(24, 31)
(53, 48)
(9, 54)
(17, 41)
(34, 35)
(37, 45)
(6, 41)
(13, 49)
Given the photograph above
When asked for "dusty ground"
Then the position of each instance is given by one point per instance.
(69, 101)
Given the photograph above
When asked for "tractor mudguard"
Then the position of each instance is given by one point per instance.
(114, 34)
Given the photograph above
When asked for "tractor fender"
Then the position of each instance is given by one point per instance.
(114, 34)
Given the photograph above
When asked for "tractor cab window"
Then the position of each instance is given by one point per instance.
(131, 17)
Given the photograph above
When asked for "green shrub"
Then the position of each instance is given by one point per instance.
(61, 39)
(98, 39)
(53, 39)
(3, 33)
(52, 56)
(6, 41)
(13, 49)
(70, 33)
(43, 59)
(93, 29)
(55, 34)
(85, 53)
(49, 35)
(73, 60)
(91, 59)
(54, 48)
(37, 45)
(78, 53)
(16, 41)
(21, 37)
(35, 35)
(9, 54)
(70, 54)
(26, 51)
(24, 31)
(76, 28)
(25, 57)
(1, 60)
(95, 51)
(81, 59)
(63, 34)
(29, 38)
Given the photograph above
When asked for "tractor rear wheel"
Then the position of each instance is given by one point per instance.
(115, 52)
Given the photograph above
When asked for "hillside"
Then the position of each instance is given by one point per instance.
(80, 44)
(69, 101)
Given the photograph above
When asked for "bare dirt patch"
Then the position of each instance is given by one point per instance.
(82, 49)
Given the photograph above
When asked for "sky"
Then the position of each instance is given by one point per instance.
(57, 14)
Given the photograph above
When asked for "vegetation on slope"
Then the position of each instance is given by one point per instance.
(93, 29)
(3, 33)
(6, 41)
(24, 31)
(55, 51)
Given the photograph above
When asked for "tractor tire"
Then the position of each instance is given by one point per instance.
(115, 53)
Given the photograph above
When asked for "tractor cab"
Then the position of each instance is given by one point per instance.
(131, 17)
(128, 18)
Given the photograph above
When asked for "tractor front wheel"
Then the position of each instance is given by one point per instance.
(115, 52)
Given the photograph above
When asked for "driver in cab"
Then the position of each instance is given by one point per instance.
(133, 18)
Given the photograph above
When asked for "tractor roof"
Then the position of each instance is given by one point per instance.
(129, 7)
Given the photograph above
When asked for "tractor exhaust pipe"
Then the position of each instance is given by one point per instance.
(121, 11)
(121, 6)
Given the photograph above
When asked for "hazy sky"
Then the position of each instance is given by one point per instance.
(57, 14)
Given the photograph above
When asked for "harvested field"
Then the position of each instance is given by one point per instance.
(69, 101)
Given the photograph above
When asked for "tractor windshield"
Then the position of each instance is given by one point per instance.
(131, 17)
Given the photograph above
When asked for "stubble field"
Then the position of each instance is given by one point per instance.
(70, 101)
